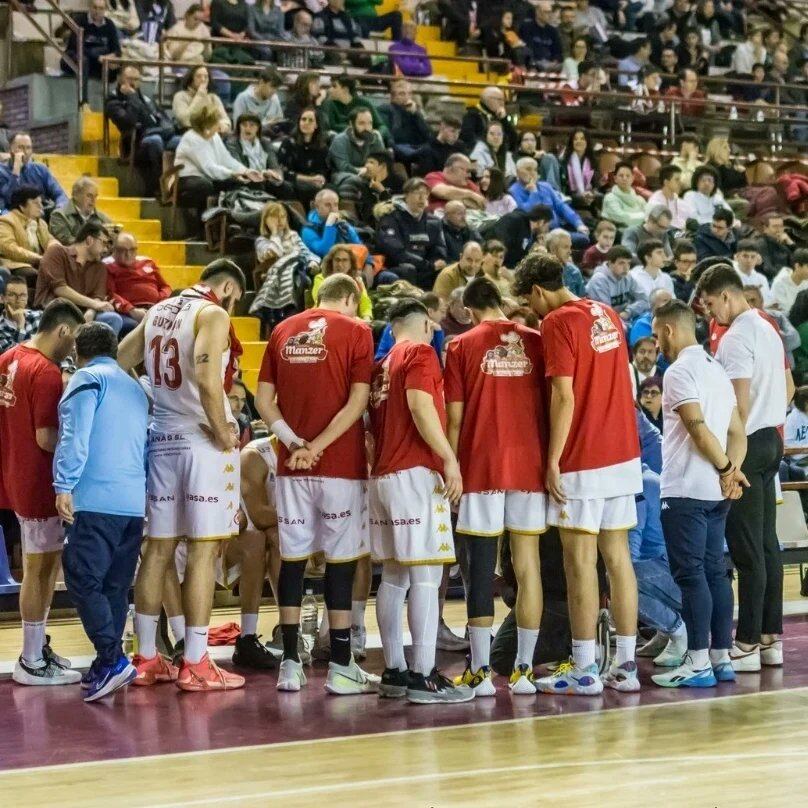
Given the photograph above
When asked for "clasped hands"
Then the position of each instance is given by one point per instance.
(303, 458)
(732, 483)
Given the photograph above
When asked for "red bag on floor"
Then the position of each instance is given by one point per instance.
(224, 635)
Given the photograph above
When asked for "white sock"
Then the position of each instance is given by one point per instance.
(699, 659)
(389, 611)
(583, 653)
(718, 656)
(358, 613)
(322, 633)
(480, 639)
(33, 638)
(680, 633)
(626, 646)
(146, 631)
(249, 623)
(526, 639)
(422, 615)
(177, 626)
(196, 643)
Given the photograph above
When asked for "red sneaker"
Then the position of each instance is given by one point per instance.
(207, 675)
(154, 670)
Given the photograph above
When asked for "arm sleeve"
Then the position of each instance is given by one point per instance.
(59, 227)
(121, 304)
(453, 374)
(423, 370)
(339, 156)
(362, 360)
(679, 388)
(559, 353)
(736, 356)
(76, 413)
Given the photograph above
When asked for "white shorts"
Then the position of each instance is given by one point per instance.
(491, 513)
(41, 535)
(192, 488)
(594, 515)
(410, 519)
(322, 514)
(226, 575)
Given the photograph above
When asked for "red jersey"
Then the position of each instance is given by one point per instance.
(399, 446)
(439, 178)
(30, 389)
(717, 331)
(140, 285)
(586, 341)
(497, 371)
(313, 358)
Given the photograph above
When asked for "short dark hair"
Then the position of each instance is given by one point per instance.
(800, 256)
(406, 307)
(682, 247)
(22, 196)
(224, 267)
(91, 229)
(271, 76)
(431, 301)
(638, 45)
(767, 219)
(382, 158)
(668, 172)
(640, 341)
(647, 247)
(451, 121)
(493, 245)
(16, 279)
(357, 111)
(481, 294)
(699, 173)
(414, 184)
(724, 215)
(617, 252)
(689, 137)
(801, 397)
(624, 164)
(718, 279)
(527, 314)
(676, 310)
(538, 269)
(59, 312)
(651, 381)
(540, 213)
(247, 117)
(96, 339)
(346, 81)
(747, 245)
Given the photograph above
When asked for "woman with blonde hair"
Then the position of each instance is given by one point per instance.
(731, 176)
(341, 258)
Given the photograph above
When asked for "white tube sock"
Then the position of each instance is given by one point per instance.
(526, 639)
(583, 653)
(249, 623)
(177, 626)
(389, 612)
(699, 659)
(146, 631)
(480, 639)
(626, 646)
(33, 639)
(422, 615)
(196, 643)
(718, 656)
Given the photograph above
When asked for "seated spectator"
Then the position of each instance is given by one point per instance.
(524, 315)
(646, 96)
(123, 14)
(66, 220)
(717, 156)
(650, 398)
(476, 119)
(559, 244)
(688, 159)
(668, 69)
(664, 36)
(549, 165)
(501, 40)
(454, 183)
(457, 275)
(613, 285)
(341, 258)
(5, 137)
(790, 336)
(24, 236)
(541, 37)
(18, 323)
(190, 27)
(788, 282)
(365, 14)
(494, 267)
(229, 20)
(688, 98)
(134, 282)
(642, 325)
(656, 226)
(693, 54)
(519, 230)
(343, 100)
(580, 178)
(775, 246)
(261, 98)
(408, 128)
(436, 309)
(326, 225)
(379, 184)
(78, 274)
(456, 230)
(643, 365)
(717, 239)
(595, 256)
(22, 169)
(207, 166)
(492, 152)
(684, 261)
(440, 147)
(458, 317)
(410, 239)
(591, 20)
(704, 198)
(304, 156)
(667, 196)
(349, 151)
(649, 274)
(193, 94)
(302, 25)
(578, 56)
(498, 201)
(334, 26)
(305, 93)
(632, 65)
(133, 111)
(265, 21)
(622, 204)
(257, 153)
(747, 258)
(456, 19)
(156, 17)
(749, 52)
(408, 57)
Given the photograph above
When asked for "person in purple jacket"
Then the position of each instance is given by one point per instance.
(407, 56)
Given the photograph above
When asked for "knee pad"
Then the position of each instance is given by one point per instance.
(338, 585)
(427, 575)
(482, 553)
(290, 583)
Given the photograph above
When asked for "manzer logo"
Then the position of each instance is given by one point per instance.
(604, 335)
(307, 346)
(508, 359)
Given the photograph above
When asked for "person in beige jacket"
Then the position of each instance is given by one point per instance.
(194, 95)
(191, 26)
(24, 236)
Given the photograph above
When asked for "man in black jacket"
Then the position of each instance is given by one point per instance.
(518, 230)
(775, 246)
(439, 148)
(410, 239)
(406, 123)
(491, 108)
(132, 111)
(456, 231)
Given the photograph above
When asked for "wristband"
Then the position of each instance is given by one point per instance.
(285, 434)
(726, 469)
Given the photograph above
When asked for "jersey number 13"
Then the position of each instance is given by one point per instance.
(165, 363)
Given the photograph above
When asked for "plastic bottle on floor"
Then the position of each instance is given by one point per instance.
(129, 636)
(309, 619)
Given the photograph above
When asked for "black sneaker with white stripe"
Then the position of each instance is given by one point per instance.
(436, 689)
(252, 653)
(48, 654)
(394, 683)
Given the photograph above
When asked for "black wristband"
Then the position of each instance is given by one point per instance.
(726, 469)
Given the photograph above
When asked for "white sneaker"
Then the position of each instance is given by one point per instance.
(47, 673)
(290, 675)
(654, 647)
(622, 677)
(673, 655)
(449, 641)
(772, 654)
(522, 681)
(350, 680)
(745, 661)
(359, 637)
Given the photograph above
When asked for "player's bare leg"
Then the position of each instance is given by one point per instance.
(525, 560)
(36, 592)
(172, 603)
(447, 639)
(197, 596)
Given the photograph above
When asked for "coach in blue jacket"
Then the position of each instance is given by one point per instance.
(100, 483)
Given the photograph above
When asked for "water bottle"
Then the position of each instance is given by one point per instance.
(129, 636)
(309, 619)
(733, 114)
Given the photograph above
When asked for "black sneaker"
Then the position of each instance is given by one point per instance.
(436, 689)
(252, 653)
(50, 656)
(178, 653)
(394, 683)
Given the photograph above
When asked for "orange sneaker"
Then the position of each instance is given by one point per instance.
(154, 670)
(207, 675)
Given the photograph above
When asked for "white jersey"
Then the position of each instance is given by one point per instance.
(170, 335)
(266, 448)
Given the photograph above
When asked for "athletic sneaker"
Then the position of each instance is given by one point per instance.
(252, 653)
(359, 638)
(207, 675)
(654, 647)
(570, 680)
(394, 683)
(673, 655)
(47, 653)
(290, 675)
(622, 677)
(522, 681)
(772, 654)
(436, 689)
(47, 673)
(723, 672)
(449, 641)
(481, 681)
(350, 680)
(744, 661)
(178, 653)
(687, 676)
(90, 674)
(154, 670)
(111, 678)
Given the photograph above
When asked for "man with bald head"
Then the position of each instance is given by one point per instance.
(476, 120)
(134, 282)
(469, 265)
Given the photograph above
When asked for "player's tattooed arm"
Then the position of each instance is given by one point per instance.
(693, 423)
(202, 359)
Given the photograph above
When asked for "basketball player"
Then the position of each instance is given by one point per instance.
(319, 363)
(495, 400)
(593, 469)
(189, 349)
(410, 526)
(30, 389)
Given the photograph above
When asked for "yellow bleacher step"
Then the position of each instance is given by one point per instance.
(434, 48)
(149, 229)
(92, 127)
(253, 355)
(70, 163)
(250, 378)
(428, 33)
(248, 329)
(177, 276)
(120, 208)
(107, 186)
(164, 252)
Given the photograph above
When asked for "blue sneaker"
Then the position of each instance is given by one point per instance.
(569, 680)
(724, 672)
(687, 676)
(111, 678)
(90, 675)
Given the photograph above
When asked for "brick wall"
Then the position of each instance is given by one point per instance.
(15, 107)
(53, 138)
(48, 138)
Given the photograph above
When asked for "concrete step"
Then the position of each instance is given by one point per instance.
(119, 207)
(107, 186)
(143, 229)
(75, 164)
